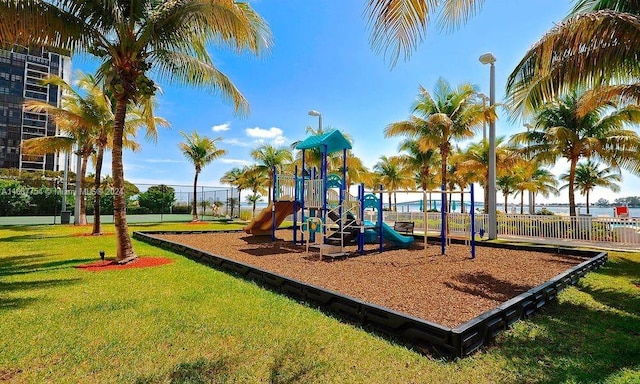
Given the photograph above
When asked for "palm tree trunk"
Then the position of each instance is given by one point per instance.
(522, 201)
(239, 202)
(195, 200)
(97, 228)
(125, 251)
(572, 192)
(506, 197)
(486, 194)
(270, 185)
(587, 194)
(83, 193)
(461, 202)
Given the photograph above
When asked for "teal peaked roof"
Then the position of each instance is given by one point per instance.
(333, 140)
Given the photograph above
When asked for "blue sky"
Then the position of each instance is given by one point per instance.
(321, 59)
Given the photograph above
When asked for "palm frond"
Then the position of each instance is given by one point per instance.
(589, 49)
(45, 145)
(398, 26)
(457, 12)
(174, 67)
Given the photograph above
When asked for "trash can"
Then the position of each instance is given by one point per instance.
(65, 217)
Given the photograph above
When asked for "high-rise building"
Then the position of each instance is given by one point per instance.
(21, 72)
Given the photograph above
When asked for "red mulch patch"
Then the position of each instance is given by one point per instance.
(140, 262)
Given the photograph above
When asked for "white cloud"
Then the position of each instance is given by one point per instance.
(273, 134)
(260, 133)
(238, 142)
(235, 161)
(221, 127)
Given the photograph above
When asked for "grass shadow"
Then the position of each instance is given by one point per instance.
(200, 371)
(39, 284)
(18, 265)
(571, 343)
(7, 304)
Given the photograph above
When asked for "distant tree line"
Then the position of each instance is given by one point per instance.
(630, 201)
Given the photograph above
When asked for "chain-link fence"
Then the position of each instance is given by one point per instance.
(210, 201)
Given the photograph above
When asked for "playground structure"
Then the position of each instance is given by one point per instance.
(330, 216)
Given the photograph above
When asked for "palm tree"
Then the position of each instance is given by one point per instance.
(421, 162)
(588, 177)
(271, 160)
(507, 183)
(233, 177)
(532, 178)
(543, 182)
(475, 161)
(596, 45)
(89, 118)
(200, 151)
(394, 175)
(132, 38)
(451, 114)
(80, 119)
(564, 130)
(254, 178)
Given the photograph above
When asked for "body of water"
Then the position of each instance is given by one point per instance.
(416, 206)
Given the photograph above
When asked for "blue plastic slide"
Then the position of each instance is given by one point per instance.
(399, 240)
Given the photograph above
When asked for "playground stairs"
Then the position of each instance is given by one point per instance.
(329, 250)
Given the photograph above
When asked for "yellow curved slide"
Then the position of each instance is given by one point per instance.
(261, 224)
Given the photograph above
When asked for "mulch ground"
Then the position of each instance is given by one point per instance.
(449, 290)
(110, 265)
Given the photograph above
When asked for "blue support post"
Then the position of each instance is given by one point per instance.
(443, 216)
(362, 229)
(323, 174)
(295, 203)
(473, 225)
(302, 218)
(273, 204)
(380, 221)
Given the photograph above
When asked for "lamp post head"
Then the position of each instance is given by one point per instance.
(314, 113)
(487, 58)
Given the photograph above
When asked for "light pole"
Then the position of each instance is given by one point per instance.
(313, 112)
(532, 196)
(488, 58)
(485, 99)
(76, 210)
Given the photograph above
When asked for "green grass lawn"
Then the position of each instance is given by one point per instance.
(187, 323)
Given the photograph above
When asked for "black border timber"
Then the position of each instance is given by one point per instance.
(460, 342)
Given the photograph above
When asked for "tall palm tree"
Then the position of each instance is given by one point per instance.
(271, 160)
(596, 45)
(254, 179)
(532, 178)
(450, 114)
(564, 130)
(589, 176)
(233, 177)
(475, 162)
(200, 151)
(394, 175)
(132, 38)
(80, 119)
(421, 162)
(508, 183)
(86, 114)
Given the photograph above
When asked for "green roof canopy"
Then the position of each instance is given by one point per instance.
(334, 140)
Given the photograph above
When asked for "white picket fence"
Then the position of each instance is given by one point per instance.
(580, 228)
